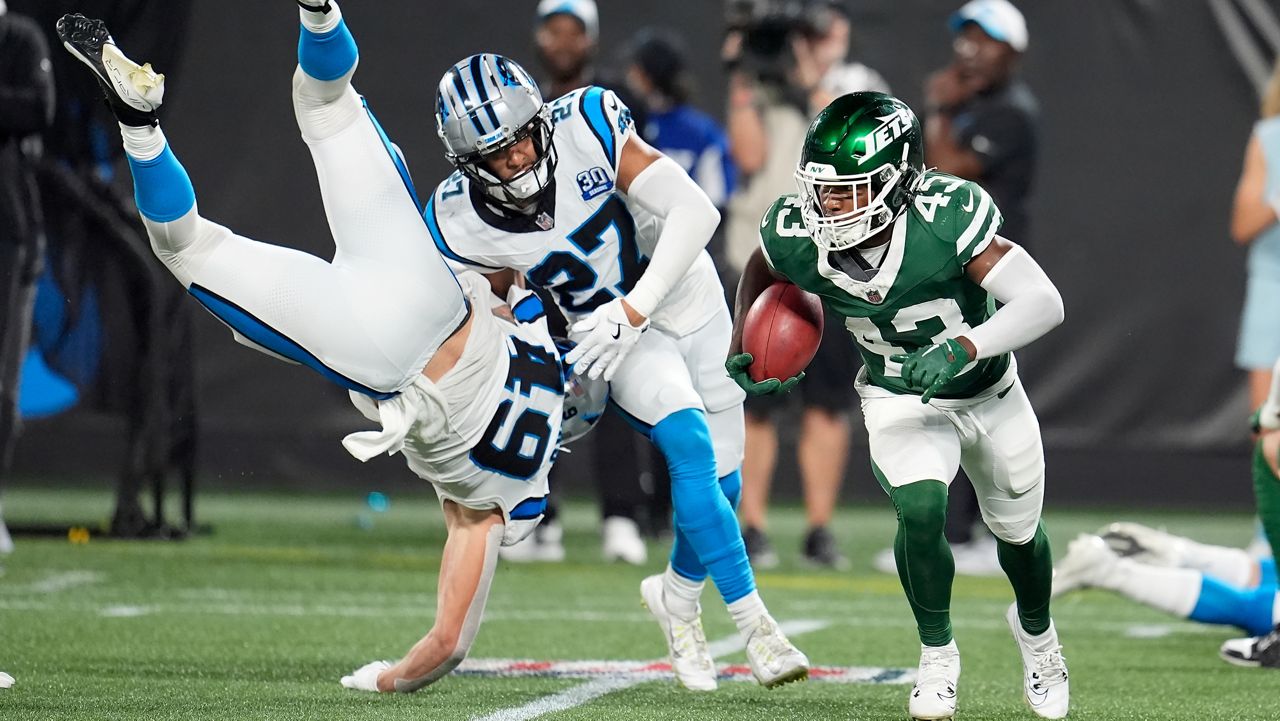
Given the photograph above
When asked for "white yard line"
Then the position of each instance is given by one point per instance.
(56, 582)
(581, 694)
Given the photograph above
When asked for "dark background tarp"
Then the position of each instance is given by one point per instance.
(1145, 116)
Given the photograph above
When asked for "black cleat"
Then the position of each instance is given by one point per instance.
(1258, 652)
(820, 549)
(134, 92)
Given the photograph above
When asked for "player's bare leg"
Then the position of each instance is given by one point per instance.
(466, 573)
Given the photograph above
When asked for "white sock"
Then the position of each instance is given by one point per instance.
(681, 594)
(746, 611)
(1232, 566)
(1043, 642)
(1174, 590)
(318, 22)
(144, 143)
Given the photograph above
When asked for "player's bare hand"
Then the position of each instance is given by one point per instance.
(946, 88)
(604, 339)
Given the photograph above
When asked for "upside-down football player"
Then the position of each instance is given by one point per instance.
(472, 397)
(912, 262)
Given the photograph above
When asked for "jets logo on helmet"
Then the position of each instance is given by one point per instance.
(484, 105)
(865, 146)
(891, 128)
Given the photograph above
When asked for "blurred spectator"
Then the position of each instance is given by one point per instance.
(784, 68)
(658, 76)
(566, 36)
(26, 109)
(1253, 223)
(980, 121)
(980, 124)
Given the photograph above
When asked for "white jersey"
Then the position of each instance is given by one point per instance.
(585, 241)
(486, 433)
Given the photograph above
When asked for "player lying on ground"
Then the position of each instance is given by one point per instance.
(566, 194)
(910, 260)
(1210, 584)
(472, 399)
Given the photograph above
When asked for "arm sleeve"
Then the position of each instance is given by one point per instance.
(26, 104)
(1032, 305)
(689, 219)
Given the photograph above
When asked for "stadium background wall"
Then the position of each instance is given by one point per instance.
(1145, 116)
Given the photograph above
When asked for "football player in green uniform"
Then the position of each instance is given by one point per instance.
(911, 260)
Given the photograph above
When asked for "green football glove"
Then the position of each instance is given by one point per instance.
(929, 369)
(737, 367)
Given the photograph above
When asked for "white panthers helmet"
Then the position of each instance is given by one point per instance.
(485, 104)
(584, 404)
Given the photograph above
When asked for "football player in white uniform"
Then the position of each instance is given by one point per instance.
(566, 194)
(472, 397)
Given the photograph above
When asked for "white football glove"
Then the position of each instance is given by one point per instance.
(365, 678)
(604, 338)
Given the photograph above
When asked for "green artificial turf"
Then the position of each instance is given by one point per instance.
(260, 617)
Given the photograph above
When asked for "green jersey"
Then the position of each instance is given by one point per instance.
(918, 296)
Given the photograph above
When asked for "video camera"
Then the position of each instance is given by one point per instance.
(768, 28)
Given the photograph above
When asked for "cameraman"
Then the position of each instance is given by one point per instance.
(786, 61)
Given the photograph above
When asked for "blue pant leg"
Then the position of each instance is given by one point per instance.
(703, 513)
(683, 560)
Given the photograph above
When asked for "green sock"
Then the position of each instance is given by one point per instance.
(1266, 487)
(1030, 571)
(925, 566)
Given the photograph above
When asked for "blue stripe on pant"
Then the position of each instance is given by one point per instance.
(708, 540)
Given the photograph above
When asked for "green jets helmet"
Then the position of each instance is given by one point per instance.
(861, 140)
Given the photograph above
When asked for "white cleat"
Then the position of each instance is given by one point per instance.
(6, 681)
(544, 545)
(133, 91)
(773, 659)
(1088, 562)
(686, 643)
(1044, 669)
(622, 541)
(933, 698)
(1144, 544)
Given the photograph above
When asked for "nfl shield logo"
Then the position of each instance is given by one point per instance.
(873, 296)
(544, 221)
